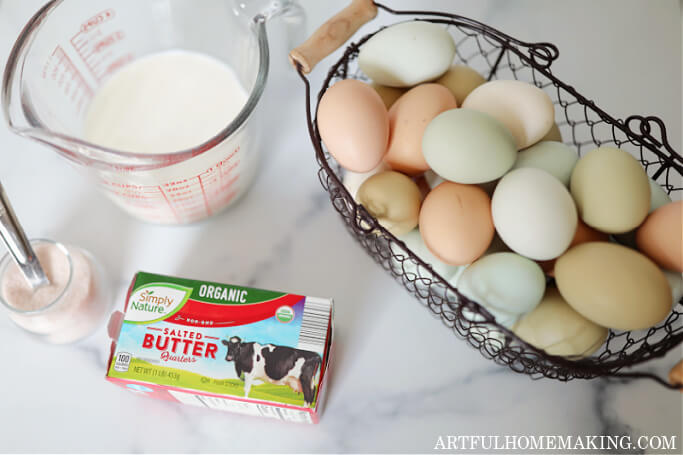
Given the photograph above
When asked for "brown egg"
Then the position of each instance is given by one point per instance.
(461, 80)
(394, 199)
(613, 286)
(583, 234)
(660, 237)
(456, 223)
(408, 118)
(676, 374)
(354, 125)
(553, 134)
(389, 95)
(558, 329)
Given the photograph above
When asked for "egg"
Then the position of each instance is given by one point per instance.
(414, 242)
(353, 180)
(389, 95)
(583, 234)
(558, 329)
(506, 284)
(408, 118)
(407, 54)
(675, 280)
(354, 125)
(461, 80)
(553, 134)
(534, 213)
(660, 237)
(393, 199)
(466, 146)
(658, 197)
(525, 110)
(432, 178)
(611, 190)
(555, 158)
(676, 375)
(455, 222)
(613, 286)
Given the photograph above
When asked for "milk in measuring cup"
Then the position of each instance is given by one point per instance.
(164, 103)
(168, 102)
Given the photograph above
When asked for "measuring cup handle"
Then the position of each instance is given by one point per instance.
(332, 34)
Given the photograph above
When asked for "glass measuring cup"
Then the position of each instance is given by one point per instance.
(68, 49)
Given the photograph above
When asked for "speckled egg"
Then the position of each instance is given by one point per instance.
(408, 118)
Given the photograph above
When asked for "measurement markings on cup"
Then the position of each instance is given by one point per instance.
(61, 70)
(97, 47)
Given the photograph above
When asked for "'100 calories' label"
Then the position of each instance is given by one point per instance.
(224, 347)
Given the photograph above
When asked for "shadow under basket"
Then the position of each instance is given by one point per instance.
(582, 124)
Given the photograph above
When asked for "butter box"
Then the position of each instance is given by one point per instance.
(225, 347)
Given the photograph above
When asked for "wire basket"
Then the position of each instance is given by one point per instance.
(582, 124)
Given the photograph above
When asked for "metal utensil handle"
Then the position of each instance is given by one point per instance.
(18, 245)
(332, 34)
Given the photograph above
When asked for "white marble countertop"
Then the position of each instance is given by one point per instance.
(400, 379)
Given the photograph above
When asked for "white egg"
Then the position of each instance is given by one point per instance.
(506, 284)
(534, 214)
(407, 54)
(555, 158)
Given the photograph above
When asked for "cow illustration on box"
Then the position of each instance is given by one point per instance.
(280, 365)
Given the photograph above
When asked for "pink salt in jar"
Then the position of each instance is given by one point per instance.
(71, 307)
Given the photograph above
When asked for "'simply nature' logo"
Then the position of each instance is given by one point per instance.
(156, 301)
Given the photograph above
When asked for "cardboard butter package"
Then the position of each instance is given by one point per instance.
(225, 347)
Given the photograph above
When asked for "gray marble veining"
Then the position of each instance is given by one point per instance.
(400, 379)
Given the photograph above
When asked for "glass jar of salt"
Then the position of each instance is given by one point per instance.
(67, 309)
(54, 291)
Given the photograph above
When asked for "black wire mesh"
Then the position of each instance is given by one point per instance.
(582, 124)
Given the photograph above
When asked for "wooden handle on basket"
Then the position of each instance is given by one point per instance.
(332, 34)
(676, 374)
